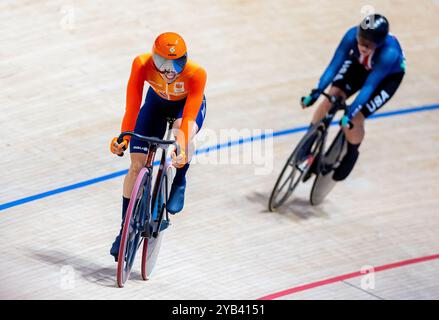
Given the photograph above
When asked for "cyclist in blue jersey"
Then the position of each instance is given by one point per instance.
(370, 60)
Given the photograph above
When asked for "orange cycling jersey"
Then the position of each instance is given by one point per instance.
(189, 84)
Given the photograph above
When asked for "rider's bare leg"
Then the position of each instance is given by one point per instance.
(137, 163)
(354, 138)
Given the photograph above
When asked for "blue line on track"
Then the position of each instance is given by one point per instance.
(200, 151)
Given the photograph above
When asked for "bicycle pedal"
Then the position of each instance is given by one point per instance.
(146, 234)
(307, 176)
(326, 168)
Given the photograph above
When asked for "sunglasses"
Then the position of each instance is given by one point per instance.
(164, 65)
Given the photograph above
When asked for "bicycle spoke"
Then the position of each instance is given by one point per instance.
(296, 182)
(286, 180)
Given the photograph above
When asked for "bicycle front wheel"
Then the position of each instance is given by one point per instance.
(133, 226)
(285, 184)
(295, 168)
(151, 245)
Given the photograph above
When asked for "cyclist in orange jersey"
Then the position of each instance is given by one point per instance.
(176, 90)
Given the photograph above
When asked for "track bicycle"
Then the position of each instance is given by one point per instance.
(146, 217)
(311, 157)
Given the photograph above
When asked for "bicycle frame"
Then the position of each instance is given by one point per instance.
(154, 144)
(161, 174)
(328, 159)
(306, 166)
(140, 221)
(324, 124)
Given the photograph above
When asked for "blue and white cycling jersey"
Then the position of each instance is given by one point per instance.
(386, 59)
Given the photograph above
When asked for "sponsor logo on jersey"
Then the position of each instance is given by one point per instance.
(179, 87)
(344, 68)
(377, 101)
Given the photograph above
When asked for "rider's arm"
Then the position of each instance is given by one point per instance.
(193, 104)
(378, 73)
(134, 94)
(340, 55)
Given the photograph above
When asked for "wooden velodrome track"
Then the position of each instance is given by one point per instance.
(63, 74)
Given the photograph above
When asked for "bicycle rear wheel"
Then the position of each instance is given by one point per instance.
(151, 248)
(133, 226)
(152, 244)
(323, 183)
(294, 169)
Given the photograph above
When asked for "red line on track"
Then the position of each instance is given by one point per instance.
(346, 276)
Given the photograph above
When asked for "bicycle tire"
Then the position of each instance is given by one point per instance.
(292, 164)
(323, 183)
(151, 245)
(130, 242)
